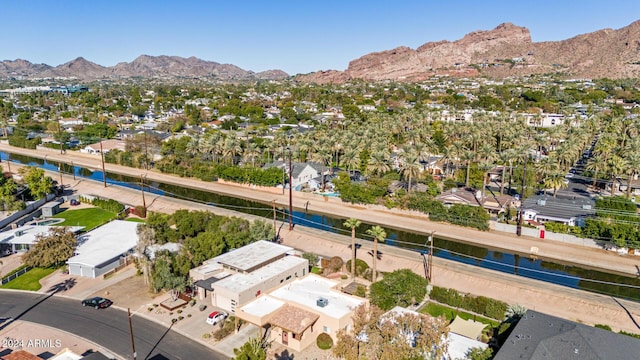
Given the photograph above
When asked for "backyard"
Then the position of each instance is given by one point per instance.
(90, 218)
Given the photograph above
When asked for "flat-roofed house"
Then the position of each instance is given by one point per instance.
(104, 248)
(296, 313)
(241, 275)
(22, 238)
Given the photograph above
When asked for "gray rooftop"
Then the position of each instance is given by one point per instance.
(252, 256)
(539, 336)
(562, 208)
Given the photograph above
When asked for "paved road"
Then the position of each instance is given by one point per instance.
(107, 327)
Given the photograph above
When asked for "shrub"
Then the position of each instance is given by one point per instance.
(140, 211)
(361, 267)
(603, 327)
(206, 335)
(492, 308)
(324, 341)
(361, 291)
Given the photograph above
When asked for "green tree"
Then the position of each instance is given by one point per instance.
(479, 353)
(378, 234)
(253, 349)
(51, 249)
(391, 336)
(352, 224)
(39, 185)
(399, 288)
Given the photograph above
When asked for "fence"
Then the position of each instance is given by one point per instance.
(15, 275)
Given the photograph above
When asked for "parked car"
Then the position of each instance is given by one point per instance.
(97, 302)
(216, 317)
(74, 202)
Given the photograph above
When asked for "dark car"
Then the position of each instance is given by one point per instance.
(97, 302)
(74, 202)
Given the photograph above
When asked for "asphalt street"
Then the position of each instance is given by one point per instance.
(106, 327)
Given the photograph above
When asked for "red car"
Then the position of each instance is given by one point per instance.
(97, 302)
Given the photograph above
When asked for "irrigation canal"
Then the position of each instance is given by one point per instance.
(553, 272)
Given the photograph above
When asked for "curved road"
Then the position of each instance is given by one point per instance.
(106, 327)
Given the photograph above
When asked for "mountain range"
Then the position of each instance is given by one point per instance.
(504, 51)
(143, 66)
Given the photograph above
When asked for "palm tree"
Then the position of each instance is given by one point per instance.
(353, 223)
(378, 163)
(378, 234)
(615, 167)
(410, 166)
(555, 180)
(632, 160)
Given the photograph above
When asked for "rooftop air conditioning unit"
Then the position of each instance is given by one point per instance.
(322, 302)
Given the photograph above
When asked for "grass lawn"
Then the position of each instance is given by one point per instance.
(316, 270)
(134, 219)
(434, 309)
(89, 218)
(30, 280)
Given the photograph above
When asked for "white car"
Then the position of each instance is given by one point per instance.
(216, 317)
(569, 175)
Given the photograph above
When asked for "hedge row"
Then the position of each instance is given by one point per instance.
(492, 308)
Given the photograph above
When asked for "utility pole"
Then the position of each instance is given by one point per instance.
(290, 194)
(430, 262)
(104, 172)
(60, 137)
(520, 214)
(9, 162)
(274, 217)
(133, 345)
(146, 151)
(144, 203)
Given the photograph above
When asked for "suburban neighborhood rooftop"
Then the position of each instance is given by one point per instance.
(105, 243)
(253, 255)
(307, 290)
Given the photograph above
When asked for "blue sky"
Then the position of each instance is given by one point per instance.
(295, 36)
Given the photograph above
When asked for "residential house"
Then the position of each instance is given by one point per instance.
(569, 211)
(541, 336)
(493, 203)
(239, 276)
(103, 249)
(104, 146)
(302, 172)
(295, 314)
(22, 238)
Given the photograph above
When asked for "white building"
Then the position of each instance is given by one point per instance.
(296, 313)
(103, 248)
(22, 238)
(241, 275)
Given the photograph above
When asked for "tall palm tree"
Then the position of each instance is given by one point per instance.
(555, 180)
(352, 224)
(410, 166)
(615, 166)
(632, 160)
(378, 234)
